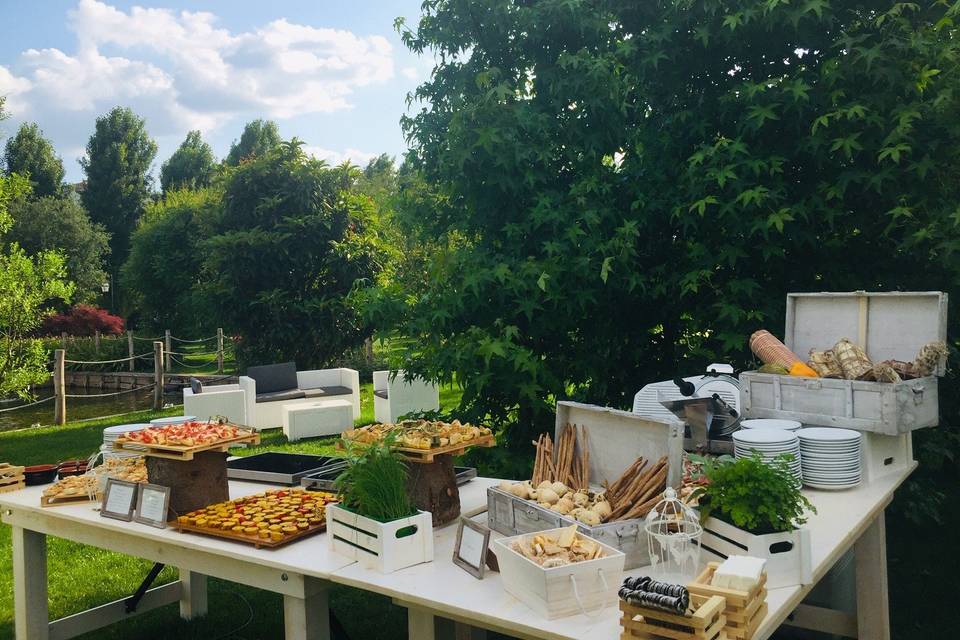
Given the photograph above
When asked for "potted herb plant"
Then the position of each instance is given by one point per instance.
(755, 508)
(375, 522)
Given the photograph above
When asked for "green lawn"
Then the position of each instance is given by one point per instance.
(81, 577)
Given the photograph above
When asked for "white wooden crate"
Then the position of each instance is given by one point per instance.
(560, 591)
(883, 454)
(888, 325)
(380, 545)
(787, 554)
(616, 438)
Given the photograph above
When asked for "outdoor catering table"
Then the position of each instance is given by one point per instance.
(303, 570)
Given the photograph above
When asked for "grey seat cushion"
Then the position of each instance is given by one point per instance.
(274, 377)
(327, 392)
(276, 396)
(380, 393)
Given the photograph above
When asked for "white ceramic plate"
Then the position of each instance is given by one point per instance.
(828, 434)
(764, 436)
(770, 423)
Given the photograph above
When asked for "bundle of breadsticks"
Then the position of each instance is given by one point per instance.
(560, 461)
(638, 490)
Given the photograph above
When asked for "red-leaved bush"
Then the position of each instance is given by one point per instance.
(82, 320)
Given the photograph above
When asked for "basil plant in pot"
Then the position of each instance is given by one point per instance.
(756, 508)
(375, 522)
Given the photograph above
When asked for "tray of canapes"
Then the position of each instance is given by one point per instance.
(69, 490)
(182, 441)
(11, 477)
(422, 440)
(268, 519)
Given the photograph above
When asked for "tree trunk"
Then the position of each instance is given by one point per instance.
(433, 488)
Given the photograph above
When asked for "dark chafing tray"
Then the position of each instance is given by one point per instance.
(279, 468)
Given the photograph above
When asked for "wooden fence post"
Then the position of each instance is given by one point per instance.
(166, 343)
(157, 375)
(96, 342)
(59, 388)
(130, 350)
(368, 350)
(219, 350)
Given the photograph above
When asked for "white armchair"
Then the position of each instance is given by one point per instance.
(394, 396)
(266, 411)
(227, 400)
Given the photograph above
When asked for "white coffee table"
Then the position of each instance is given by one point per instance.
(319, 418)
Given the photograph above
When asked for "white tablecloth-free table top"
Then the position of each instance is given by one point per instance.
(438, 588)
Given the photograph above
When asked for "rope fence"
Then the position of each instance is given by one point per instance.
(163, 358)
(107, 395)
(24, 406)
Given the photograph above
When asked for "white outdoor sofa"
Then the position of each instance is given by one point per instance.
(268, 389)
(394, 396)
(227, 400)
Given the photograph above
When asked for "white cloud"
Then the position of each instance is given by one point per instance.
(334, 158)
(181, 70)
(410, 72)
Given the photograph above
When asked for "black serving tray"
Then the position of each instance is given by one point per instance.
(280, 468)
(323, 480)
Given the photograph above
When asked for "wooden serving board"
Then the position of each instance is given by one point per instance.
(11, 477)
(173, 452)
(51, 501)
(253, 539)
(426, 456)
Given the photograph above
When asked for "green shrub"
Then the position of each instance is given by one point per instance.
(756, 496)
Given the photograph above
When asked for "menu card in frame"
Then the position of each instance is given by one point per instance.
(153, 501)
(472, 546)
(119, 499)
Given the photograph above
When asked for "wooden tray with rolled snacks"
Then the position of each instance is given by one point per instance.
(11, 477)
(268, 519)
(69, 490)
(422, 440)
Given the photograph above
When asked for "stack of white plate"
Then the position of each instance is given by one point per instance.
(830, 457)
(159, 422)
(110, 435)
(770, 423)
(769, 443)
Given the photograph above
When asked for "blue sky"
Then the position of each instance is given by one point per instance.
(332, 73)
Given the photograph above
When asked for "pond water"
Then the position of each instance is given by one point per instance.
(77, 408)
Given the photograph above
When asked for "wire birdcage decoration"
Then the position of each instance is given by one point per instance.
(673, 538)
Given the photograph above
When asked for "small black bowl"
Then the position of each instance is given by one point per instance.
(40, 474)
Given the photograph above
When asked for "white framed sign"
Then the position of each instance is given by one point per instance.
(153, 502)
(472, 547)
(119, 500)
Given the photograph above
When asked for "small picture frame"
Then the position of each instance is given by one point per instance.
(472, 547)
(119, 500)
(153, 502)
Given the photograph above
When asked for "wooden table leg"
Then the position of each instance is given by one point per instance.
(31, 617)
(420, 624)
(308, 618)
(873, 606)
(193, 594)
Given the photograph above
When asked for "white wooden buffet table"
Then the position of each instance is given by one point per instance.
(302, 572)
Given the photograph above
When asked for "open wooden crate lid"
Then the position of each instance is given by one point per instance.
(889, 325)
(617, 438)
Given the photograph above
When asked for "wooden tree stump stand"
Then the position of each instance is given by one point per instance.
(194, 484)
(433, 487)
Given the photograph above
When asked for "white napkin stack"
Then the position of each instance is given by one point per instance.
(740, 573)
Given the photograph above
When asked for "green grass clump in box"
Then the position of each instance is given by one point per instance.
(374, 484)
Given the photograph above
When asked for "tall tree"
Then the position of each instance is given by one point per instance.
(49, 224)
(29, 153)
(258, 137)
(190, 167)
(628, 194)
(118, 183)
(163, 271)
(285, 252)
